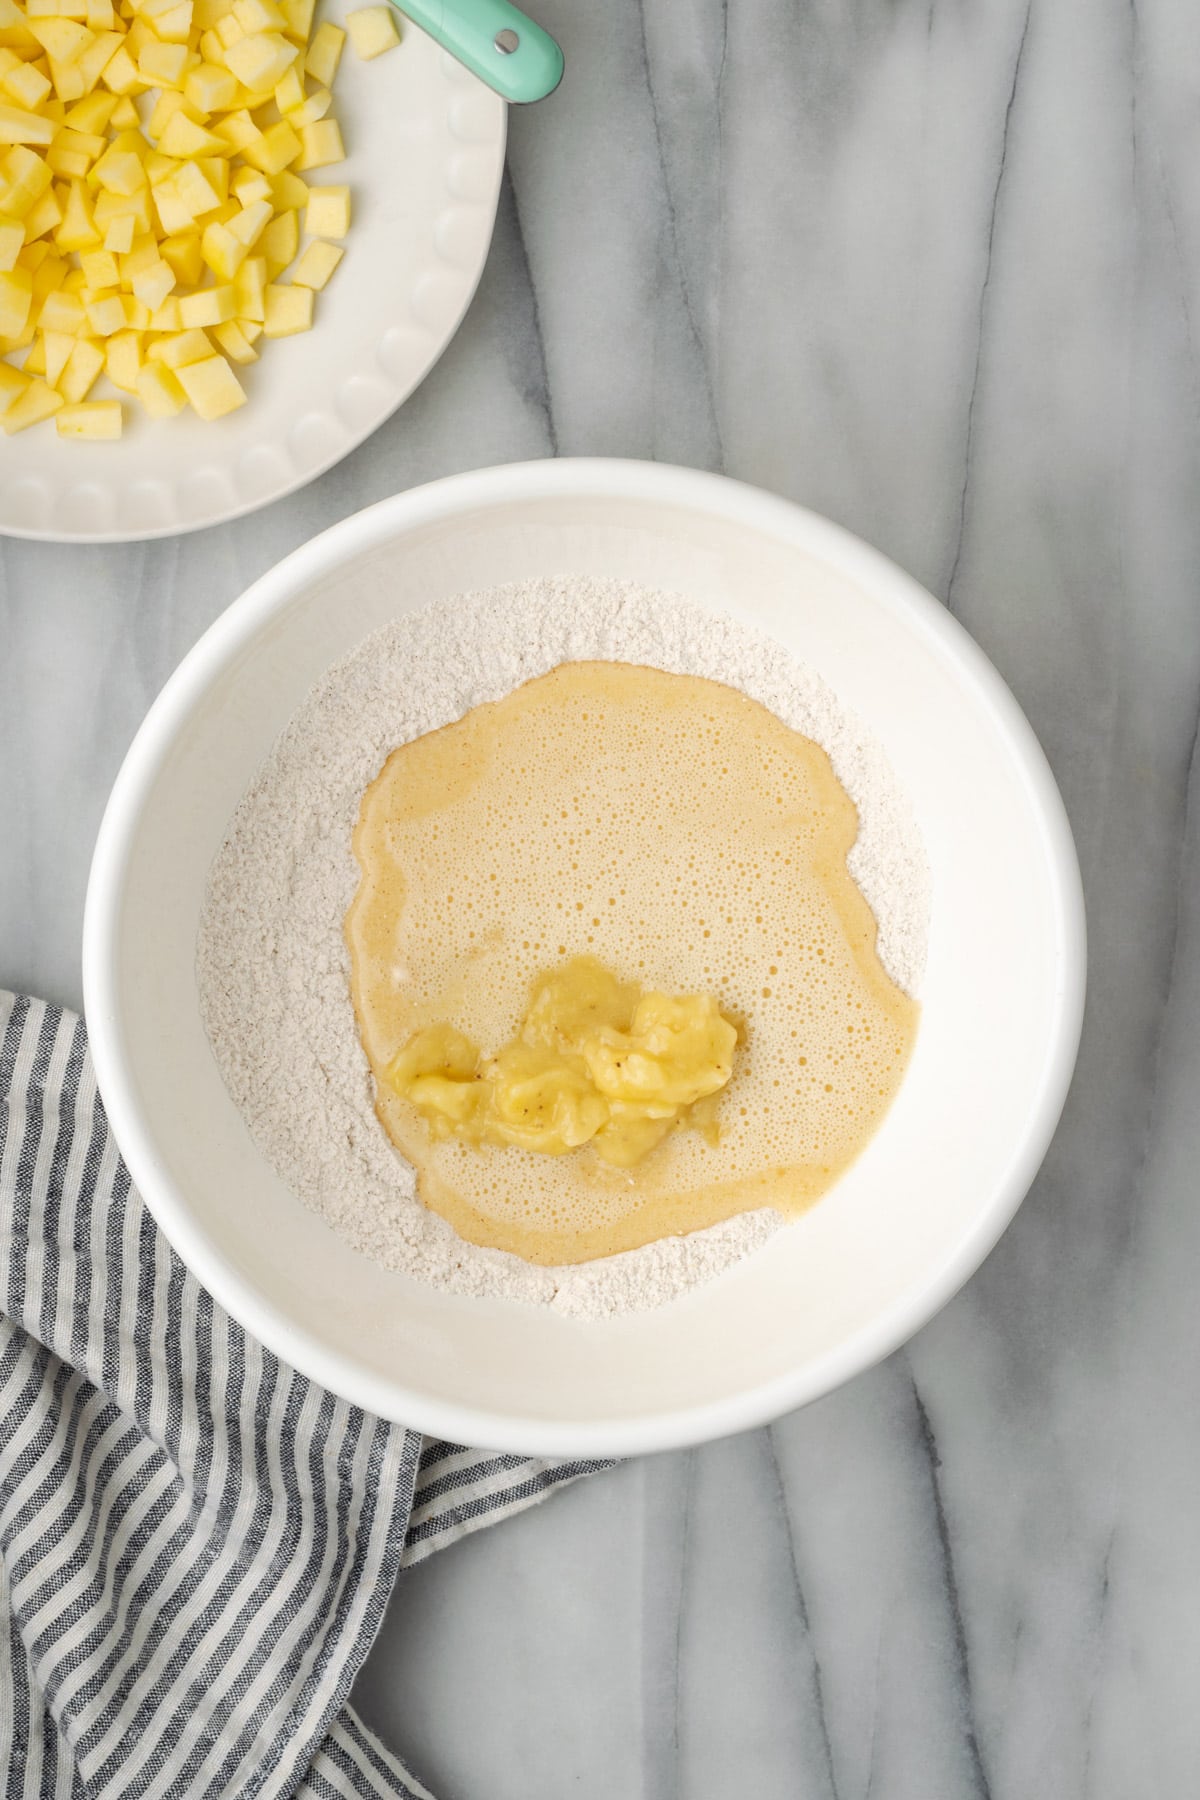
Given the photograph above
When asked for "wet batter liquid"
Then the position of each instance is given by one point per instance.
(683, 835)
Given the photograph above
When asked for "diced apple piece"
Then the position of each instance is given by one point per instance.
(106, 315)
(222, 251)
(258, 15)
(162, 65)
(234, 342)
(320, 145)
(211, 306)
(299, 16)
(249, 185)
(26, 85)
(62, 311)
(250, 287)
(288, 192)
(325, 52)
(83, 366)
(210, 89)
(125, 114)
(151, 286)
(328, 212)
(184, 256)
(175, 25)
(183, 138)
(16, 298)
(13, 383)
(280, 242)
(195, 190)
(159, 391)
(100, 269)
(274, 148)
(188, 346)
(317, 264)
(120, 74)
(212, 387)
(38, 402)
(26, 176)
(98, 420)
(17, 126)
(56, 348)
(12, 241)
(63, 40)
(260, 62)
(373, 29)
(289, 310)
(118, 235)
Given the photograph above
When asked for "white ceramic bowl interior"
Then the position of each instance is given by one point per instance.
(836, 1289)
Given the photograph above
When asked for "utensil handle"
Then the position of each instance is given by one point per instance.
(496, 41)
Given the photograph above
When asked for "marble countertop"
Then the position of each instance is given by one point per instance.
(935, 271)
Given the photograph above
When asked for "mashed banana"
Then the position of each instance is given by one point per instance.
(595, 1061)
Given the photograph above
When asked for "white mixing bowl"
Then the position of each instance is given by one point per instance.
(835, 1290)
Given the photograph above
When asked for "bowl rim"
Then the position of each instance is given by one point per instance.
(434, 502)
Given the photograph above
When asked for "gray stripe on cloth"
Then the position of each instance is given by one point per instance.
(197, 1544)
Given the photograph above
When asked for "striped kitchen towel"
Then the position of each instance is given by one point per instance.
(196, 1543)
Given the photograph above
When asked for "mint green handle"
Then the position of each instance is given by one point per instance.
(495, 41)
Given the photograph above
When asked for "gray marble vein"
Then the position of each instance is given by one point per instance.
(933, 268)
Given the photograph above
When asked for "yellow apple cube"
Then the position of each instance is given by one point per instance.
(12, 241)
(373, 29)
(125, 114)
(184, 347)
(26, 178)
(94, 113)
(210, 89)
(328, 212)
(234, 342)
(159, 391)
(212, 387)
(20, 127)
(325, 53)
(123, 359)
(249, 185)
(222, 251)
(288, 192)
(26, 85)
(16, 298)
(289, 310)
(299, 16)
(118, 235)
(83, 366)
(250, 287)
(39, 401)
(251, 222)
(183, 253)
(63, 40)
(317, 264)
(151, 286)
(183, 138)
(120, 74)
(280, 241)
(98, 420)
(106, 315)
(62, 311)
(175, 25)
(211, 306)
(274, 149)
(13, 383)
(320, 145)
(162, 65)
(260, 62)
(195, 190)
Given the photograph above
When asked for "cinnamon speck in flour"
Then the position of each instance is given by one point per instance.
(272, 967)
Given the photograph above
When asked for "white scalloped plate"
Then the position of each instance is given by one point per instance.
(425, 150)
